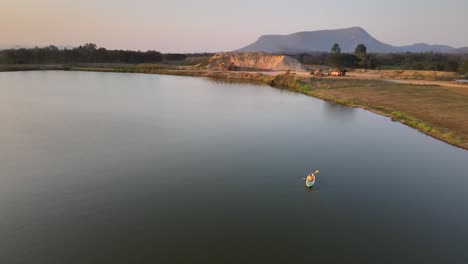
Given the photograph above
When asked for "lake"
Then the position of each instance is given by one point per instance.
(134, 168)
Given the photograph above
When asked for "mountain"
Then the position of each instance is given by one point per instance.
(322, 41)
(423, 47)
(463, 50)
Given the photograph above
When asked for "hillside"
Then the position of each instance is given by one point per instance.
(322, 41)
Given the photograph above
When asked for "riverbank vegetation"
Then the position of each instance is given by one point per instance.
(88, 53)
(399, 61)
(435, 110)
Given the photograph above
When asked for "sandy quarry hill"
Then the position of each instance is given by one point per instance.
(255, 61)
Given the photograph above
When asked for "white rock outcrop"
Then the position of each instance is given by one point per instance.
(255, 61)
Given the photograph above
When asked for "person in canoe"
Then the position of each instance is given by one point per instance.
(310, 178)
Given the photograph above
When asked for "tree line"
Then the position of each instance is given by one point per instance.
(88, 53)
(406, 61)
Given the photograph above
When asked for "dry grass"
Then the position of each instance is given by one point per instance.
(438, 111)
(409, 74)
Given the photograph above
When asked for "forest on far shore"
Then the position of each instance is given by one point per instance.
(90, 53)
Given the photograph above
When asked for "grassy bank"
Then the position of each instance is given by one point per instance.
(440, 112)
(437, 111)
(31, 67)
(410, 74)
(181, 71)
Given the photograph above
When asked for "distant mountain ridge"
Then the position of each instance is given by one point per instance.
(347, 38)
(10, 46)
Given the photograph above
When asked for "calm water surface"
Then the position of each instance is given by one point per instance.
(131, 168)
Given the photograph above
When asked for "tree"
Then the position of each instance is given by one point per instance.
(153, 56)
(90, 47)
(361, 54)
(451, 65)
(463, 68)
(88, 53)
(361, 51)
(336, 49)
(175, 57)
(342, 60)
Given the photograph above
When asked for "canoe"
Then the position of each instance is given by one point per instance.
(309, 184)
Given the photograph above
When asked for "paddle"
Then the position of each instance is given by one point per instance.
(315, 172)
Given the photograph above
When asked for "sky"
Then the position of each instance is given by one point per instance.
(219, 25)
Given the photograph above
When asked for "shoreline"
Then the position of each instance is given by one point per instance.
(303, 84)
(449, 137)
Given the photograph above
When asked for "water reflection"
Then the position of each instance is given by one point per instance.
(113, 168)
(234, 81)
(338, 111)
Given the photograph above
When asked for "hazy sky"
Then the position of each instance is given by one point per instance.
(218, 25)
